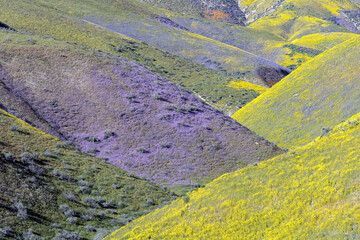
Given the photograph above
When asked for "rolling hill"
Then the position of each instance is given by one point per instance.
(275, 26)
(55, 190)
(96, 25)
(119, 110)
(309, 193)
(315, 97)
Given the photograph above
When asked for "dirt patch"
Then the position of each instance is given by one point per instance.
(271, 76)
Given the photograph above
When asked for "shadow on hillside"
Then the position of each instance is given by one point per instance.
(5, 26)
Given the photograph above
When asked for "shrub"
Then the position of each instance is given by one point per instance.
(186, 199)
(142, 150)
(56, 172)
(29, 235)
(14, 128)
(93, 150)
(38, 171)
(71, 213)
(92, 139)
(6, 232)
(55, 225)
(48, 154)
(121, 205)
(129, 187)
(21, 211)
(70, 196)
(94, 167)
(109, 134)
(108, 204)
(64, 207)
(102, 214)
(67, 235)
(85, 189)
(91, 201)
(116, 221)
(61, 175)
(166, 145)
(90, 228)
(28, 158)
(101, 233)
(83, 183)
(65, 177)
(72, 220)
(150, 202)
(66, 144)
(57, 151)
(90, 213)
(156, 96)
(9, 156)
(325, 131)
(67, 167)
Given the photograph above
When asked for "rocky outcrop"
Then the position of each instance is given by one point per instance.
(349, 20)
(258, 10)
(223, 11)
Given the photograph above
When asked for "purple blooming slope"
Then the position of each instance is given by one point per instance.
(121, 111)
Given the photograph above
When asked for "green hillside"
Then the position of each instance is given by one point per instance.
(309, 193)
(49, 186)
(319, 94)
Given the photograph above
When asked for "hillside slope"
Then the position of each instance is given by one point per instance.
(65, 20)
(218, 10)
(291, 20)
(319, 94)
(309, 193)
(121, 111)
(141, 23)
(49, 186)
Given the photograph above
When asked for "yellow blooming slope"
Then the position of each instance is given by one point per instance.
(312, 192)
(320, 94)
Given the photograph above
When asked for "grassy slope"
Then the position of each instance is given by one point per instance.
(287, 23)
(309, 193)
(42, 195)
(58, 23)
(319, 94)
(260, 42)
(136, 24)
(162, 132)
(323, 41)
(293, 19)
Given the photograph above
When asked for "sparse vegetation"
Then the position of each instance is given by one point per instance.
(56, 193)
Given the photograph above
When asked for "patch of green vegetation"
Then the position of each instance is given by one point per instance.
(304, 50)
(49, 186)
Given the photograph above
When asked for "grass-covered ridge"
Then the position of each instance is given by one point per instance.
(316, 96)
(309, 193)
(49, 186)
